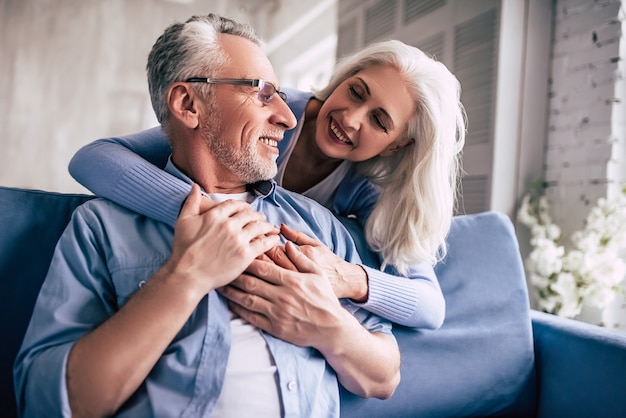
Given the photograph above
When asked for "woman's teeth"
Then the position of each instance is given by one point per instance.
(338, 133)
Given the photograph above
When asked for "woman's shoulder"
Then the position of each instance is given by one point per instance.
(297, 100)
(355, 195)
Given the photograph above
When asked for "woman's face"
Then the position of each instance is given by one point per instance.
(365, 116)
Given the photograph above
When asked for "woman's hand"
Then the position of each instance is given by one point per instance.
(346, 279)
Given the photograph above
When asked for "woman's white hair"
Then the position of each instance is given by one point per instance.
(419, 183)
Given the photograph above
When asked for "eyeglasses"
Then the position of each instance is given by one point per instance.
(266, 89)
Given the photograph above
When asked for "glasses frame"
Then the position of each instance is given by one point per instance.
(264, 98)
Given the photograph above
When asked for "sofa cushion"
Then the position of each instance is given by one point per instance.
(30, 223)
(481, 361)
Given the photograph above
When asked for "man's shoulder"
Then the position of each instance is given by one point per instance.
(120, 233)
(106, 214)
(101, 205)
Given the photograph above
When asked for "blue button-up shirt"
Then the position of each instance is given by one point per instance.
(105, 255)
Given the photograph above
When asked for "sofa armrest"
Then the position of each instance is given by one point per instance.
(581, 368)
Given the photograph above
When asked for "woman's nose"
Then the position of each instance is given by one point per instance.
(353, 117)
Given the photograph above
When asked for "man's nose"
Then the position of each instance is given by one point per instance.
(283, 115)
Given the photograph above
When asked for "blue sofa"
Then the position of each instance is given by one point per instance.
(492, 357)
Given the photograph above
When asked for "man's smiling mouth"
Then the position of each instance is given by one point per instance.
(269, 141)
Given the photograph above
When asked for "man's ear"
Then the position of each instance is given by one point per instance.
(396, 146)
(183, 104)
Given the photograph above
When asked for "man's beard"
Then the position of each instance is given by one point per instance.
(245, 163)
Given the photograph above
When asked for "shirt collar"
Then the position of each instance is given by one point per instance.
(265, 189)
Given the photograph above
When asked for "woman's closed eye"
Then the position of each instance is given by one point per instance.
(379, 123)
(356, 93)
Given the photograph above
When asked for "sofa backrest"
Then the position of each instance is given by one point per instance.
(479, 363)
(30, 224)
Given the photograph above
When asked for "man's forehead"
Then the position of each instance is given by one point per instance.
(247, 59)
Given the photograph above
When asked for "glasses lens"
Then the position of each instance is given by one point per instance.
(266, 92)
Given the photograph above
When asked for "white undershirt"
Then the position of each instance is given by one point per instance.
(250, 384)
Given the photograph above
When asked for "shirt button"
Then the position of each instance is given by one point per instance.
(291, 386)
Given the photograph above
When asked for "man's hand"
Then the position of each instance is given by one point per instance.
(347, 280)
(296, 306)
(213, 246)
(300, 307)
(106, 366)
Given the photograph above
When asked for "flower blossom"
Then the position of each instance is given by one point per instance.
(590, 272)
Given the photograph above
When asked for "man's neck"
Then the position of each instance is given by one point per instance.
(206, 178)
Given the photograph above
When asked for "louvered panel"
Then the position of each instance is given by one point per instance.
(347, 38)
(414, 9)
(380, 19)
(474, 195)
(475, 58)
(433, 46)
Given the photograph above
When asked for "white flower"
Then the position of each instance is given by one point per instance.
(553, 232)
(591, 271)
(565, 286)
(549, 303)
(539, 281)
(544, 210)
(599, 296)
(574, 260)
(608, 273)
(525, 214)
(546, 257)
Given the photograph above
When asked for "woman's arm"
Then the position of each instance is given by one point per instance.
(128, 171)
(413, 300)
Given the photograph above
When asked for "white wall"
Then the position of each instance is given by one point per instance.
(72, 71)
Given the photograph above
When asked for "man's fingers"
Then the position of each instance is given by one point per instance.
(250, 306)
(258, 228)
(254, 318)
(262, 244)
(298, 237)
(206, 203)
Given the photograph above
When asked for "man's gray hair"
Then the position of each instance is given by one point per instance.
(187, 50)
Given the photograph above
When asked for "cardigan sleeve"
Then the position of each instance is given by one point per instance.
(413, 300)
(128, 171)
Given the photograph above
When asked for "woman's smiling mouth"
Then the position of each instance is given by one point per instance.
(338, 133)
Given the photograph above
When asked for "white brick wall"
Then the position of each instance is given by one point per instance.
(585, 146)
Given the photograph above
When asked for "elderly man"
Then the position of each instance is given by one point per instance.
(129, 321)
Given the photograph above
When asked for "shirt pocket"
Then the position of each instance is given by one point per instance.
(128, 280)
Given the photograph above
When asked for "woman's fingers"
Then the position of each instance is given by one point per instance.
(298, 237)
